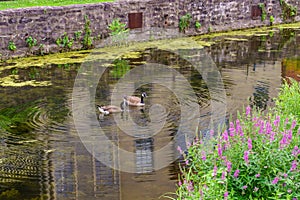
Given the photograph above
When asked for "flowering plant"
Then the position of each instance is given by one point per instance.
(255, 157)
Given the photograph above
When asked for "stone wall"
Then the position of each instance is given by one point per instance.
(159, 18)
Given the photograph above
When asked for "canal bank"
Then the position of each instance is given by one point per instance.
(44, 30)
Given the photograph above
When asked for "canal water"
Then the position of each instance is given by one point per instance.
(54, 144)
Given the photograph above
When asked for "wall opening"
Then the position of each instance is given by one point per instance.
(135, 20)
(256, 12)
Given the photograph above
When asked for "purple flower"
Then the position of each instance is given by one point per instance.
(248, 110)
(231, 129)
(268, 128)
(236, 173)
(228, 164)
(285, 175)
(226, 194)
(255, 189)
(239, 128)
(223, 175)
(294, 165)
(203, 155)
(225, 136)
(261, 128)
(257, 175)
(286, 121)
(289, 191)
(295, 198)
(215, 170)
(246, 156)
(275, 180)
(179, 183)
(283, 142)
(276, 121)
(249, 144)
(245, 187)
(272, 136)
(289, 135)
(296, 151)
(190, 186)
(188, 144)
(293, 124)
(180, 150)
(220, 150)
(201, 193)
(187, 162)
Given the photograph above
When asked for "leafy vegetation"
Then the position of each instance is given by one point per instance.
(255, 157)
(64, 42)
(87, 42)
(288, 11)
(119, 32)
(184, 22)
(30, 3)
(11, 46)
(198, 25)
(31, 42)
(263, 11)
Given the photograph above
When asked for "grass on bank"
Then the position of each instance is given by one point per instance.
(257, 157)
(13, 4)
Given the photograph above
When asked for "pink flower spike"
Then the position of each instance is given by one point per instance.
(249, 144)
(294, 165)
(275, 181)
(223, 176)
(245, 187)
(276, 121)
(179, 183)
(190, 187)
(286, 121)
(225, 136)
(246, 156)
(226, 194)
(268, 128)
(220, 150)
(228, 164)
(257, 175)
(296, 151)
(248, 110)
(236, 173)
(187, 162)
(231, 129)
(203, 155)
(293, 124)
(215, 170)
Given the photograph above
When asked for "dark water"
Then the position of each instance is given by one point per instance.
(50, 141)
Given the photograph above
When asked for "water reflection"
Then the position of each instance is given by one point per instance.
(42, 157)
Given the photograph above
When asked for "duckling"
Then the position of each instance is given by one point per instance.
(136, 101)
(112, 108)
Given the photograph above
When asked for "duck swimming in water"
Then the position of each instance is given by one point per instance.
(106, 110)
(136, 101)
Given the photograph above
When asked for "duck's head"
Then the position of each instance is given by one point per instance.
(144, 94)
(101, 110)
